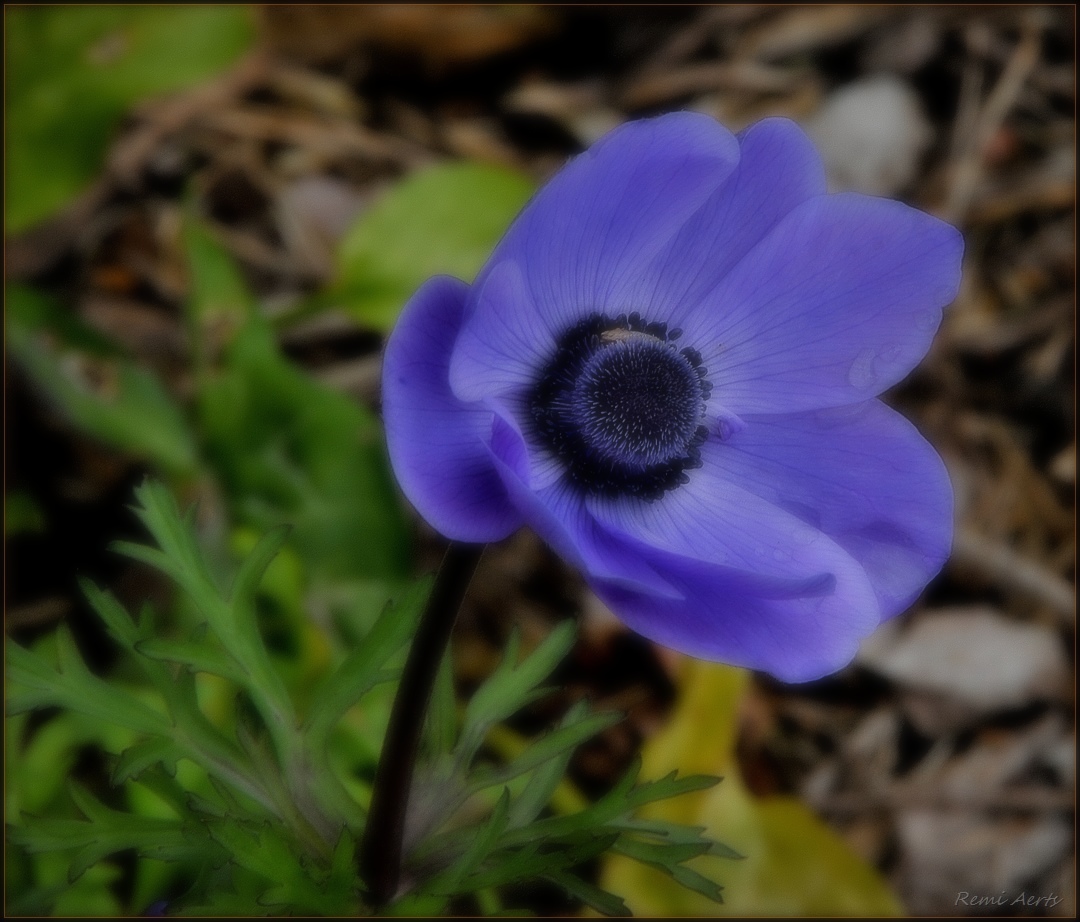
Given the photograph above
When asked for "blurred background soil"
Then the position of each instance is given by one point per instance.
(945, 754)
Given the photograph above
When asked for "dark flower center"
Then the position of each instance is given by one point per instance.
(622, 406)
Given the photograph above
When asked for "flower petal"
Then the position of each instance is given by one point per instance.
(864, 476)
(763, 588)
(558, 515)
(504, 346)
(837, 303)
(534, 465)
(437, 443)
(593, 226)
(778, 170)
(795, 630)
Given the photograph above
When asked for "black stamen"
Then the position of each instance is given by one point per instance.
(622, 407)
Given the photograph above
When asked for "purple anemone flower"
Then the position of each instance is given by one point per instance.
(668, 369)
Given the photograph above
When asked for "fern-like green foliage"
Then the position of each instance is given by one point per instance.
(261, 806)
(518, 839)
(256, 812)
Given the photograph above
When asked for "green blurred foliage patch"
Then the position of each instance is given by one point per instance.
(253, 807)
(22, 514)
(289, 450)
(443, 220)
(73, 71)
(103, 393)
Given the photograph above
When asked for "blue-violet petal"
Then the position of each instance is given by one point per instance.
(437, 443)
(838, 302)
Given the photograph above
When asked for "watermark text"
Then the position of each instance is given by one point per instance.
(1025, 899)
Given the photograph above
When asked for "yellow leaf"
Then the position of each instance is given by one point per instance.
(794, 864)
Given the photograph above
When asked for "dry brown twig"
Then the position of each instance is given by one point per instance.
(974, 133)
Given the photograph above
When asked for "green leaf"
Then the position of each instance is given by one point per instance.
(119, 623)
(244, 659)
(529, 863)
(567, 841)
(666, 857)
(440, 730)
(72, 72)
(254, 566)
(136, 759)
(670, 786)
(446, 219)
(165, 785)
(38, 767)
(258, 850)
(36, 684)
(88, 897)
(612, 805)
(194, 736)
(558, 743)
(197, 656)
(362, 669)
(511, 686)
(157, 509)
(481, 843)
(105, 832)
(692, 880)
(92, 809)
(267, 851)
(600, 900)
(678, 834)
(343, 861)
(125, 406)
(219, 299)
(547, 777)
(661, 853)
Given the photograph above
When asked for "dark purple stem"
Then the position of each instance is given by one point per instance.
(380, 850)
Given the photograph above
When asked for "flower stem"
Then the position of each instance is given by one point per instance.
(380, 851)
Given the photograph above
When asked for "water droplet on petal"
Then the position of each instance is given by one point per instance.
(890, 354)
(862, 375)
(805, 537)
